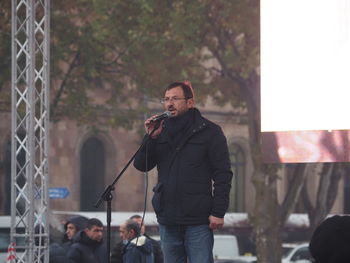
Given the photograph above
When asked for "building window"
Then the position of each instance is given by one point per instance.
(92, 174)
(238, 168)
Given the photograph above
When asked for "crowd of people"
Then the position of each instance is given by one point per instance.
(83, 243)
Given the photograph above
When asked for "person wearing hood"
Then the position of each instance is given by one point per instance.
(72, 227)
(88, 244)
(138, 248)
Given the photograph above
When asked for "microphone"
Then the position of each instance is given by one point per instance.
(160, 117)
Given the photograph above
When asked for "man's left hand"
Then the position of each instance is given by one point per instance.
(215, 222)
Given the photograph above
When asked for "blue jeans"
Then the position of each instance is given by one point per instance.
(180, 243)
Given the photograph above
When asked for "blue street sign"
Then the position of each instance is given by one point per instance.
(58, 192)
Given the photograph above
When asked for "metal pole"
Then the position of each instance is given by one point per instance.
(30, 125)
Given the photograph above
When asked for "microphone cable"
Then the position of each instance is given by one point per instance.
(145, 174)
(146, 177)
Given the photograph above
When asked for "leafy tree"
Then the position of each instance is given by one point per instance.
(114, 47)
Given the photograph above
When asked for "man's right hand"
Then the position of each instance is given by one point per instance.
(149, 126)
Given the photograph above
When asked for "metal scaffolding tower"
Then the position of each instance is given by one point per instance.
(30, 129)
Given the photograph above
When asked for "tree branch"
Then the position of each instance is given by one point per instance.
(58, 96)
(293, 193)
(337, 174)
(321, 210)
(306, 200)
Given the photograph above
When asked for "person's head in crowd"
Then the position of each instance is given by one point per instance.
(129, 230)
(178, 98)
(138, 219)
(74, 225)
(94, 229)
(330, 241)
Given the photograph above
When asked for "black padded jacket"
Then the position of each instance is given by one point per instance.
(194, 176)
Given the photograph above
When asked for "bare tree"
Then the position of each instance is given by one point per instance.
(329, 177)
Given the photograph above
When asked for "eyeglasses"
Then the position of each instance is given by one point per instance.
(173, 99)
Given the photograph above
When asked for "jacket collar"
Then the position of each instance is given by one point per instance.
(199, 124)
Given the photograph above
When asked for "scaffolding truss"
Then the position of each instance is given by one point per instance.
(30, 129)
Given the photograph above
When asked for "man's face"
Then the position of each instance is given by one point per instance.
(139, 220)
(95, 233)
(180, 106)
(125, 234)
(71, 231)
(122, 232)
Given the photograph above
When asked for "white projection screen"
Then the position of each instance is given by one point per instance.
(305, 80)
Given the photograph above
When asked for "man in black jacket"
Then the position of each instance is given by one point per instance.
(194, 176)
(88, 245)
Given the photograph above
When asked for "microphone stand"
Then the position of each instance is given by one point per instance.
(107, 194)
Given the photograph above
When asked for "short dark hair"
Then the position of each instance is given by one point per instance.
(93, 222)
(186, 89)
(132, 225)
(135, 217)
